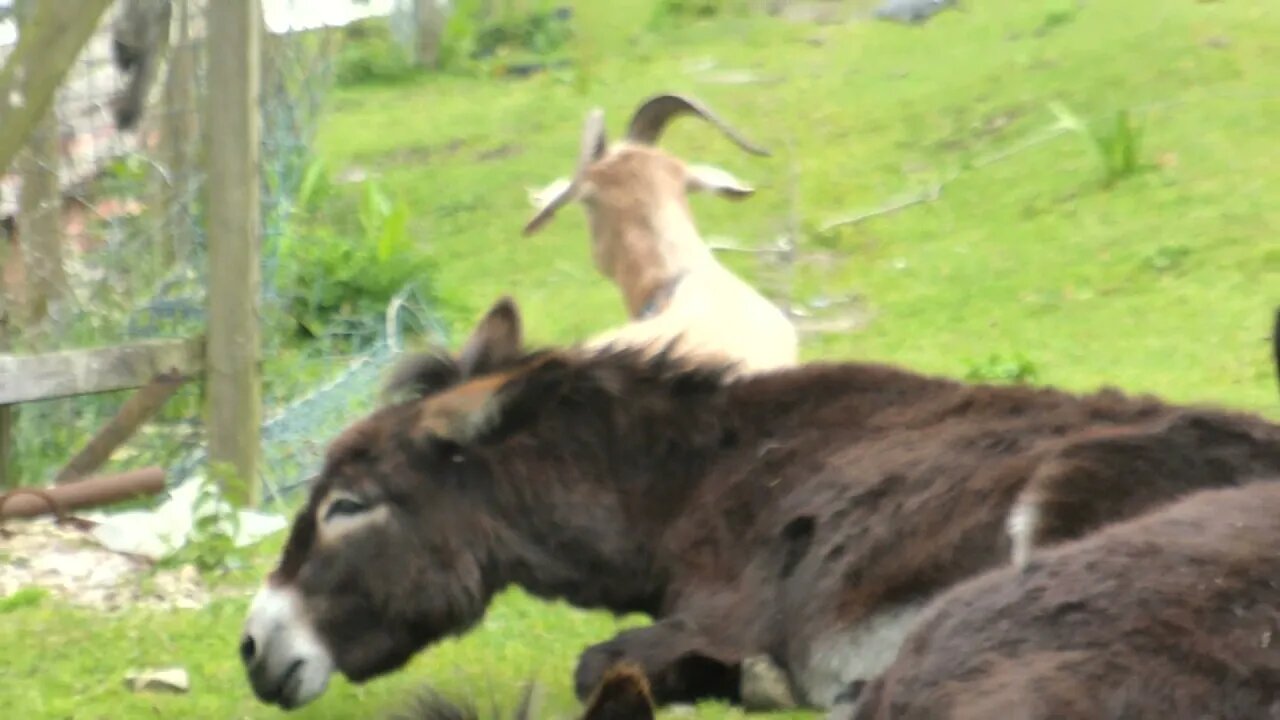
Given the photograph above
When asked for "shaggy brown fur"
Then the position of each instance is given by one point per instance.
(1168, 616)
(805, 514)
(623, 694)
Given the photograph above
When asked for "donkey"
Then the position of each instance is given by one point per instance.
(806, 514)
(623, 694)
(1169, 615)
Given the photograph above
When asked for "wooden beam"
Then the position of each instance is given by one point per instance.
(27, 378)
(233, 388)
(82, 494)
(49, 43)
(132, 414)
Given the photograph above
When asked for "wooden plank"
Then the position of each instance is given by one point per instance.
(47, 46)
(233, 389)
(132, 414)
(26, 378)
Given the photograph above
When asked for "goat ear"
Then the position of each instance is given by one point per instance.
(496, 341)
(623, 694)
(548, 200)
(541, 198)
(705, 178)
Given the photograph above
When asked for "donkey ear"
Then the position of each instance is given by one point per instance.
(706, 178)
(496, 341)
(489, 407)
(623, 694)
(464, 413)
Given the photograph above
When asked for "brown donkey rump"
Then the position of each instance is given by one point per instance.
(804, 516)
(1170, 615)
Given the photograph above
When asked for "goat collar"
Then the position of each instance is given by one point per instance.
(660, 296)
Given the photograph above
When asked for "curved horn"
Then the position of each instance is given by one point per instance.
(591, 147)
(653, 115)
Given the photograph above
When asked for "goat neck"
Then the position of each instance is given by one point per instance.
(655, 251)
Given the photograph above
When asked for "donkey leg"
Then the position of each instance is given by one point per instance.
(682, 666)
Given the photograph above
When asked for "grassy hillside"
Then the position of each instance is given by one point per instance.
(1161, 281)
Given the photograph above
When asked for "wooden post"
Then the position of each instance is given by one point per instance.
(428, 31)
(8, 413)
(179, 137)
(232, 367)
(40, 219)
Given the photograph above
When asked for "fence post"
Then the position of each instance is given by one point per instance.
(179, 136)
(40, 219)
(428, 32)
(8, 413)
(233, 373)
(40, 201)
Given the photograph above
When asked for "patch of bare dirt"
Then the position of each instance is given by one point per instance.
(64, 560)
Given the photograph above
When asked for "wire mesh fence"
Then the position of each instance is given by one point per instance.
(105, 243)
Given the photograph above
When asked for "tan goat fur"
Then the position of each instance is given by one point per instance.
(645, 240)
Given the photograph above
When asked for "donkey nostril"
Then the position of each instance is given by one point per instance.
(247, 648)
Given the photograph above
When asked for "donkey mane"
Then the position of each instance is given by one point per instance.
(424, 374)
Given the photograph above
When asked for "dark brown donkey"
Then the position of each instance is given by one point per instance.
(1172, 615)
(804, 515)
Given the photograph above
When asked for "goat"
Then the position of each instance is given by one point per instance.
(1166, 616)
(807, 514)
(644, 239)
(623, 694)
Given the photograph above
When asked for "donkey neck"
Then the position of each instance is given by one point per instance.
(593, 487)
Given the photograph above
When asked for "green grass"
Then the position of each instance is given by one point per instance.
(1079, 262)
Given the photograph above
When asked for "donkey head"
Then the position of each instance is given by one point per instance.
(390, 551)
(490, 473)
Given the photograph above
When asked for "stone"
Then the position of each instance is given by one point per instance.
(167, 680)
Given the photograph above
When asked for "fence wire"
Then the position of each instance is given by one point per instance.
(104, 237)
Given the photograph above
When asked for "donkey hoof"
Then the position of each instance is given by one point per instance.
(764, 686)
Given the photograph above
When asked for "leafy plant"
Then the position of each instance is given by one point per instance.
(331, 269)
(27, 597)
(669, 11)
(1116, 142)
(371, 55)
(540, 32)
(999, 368)
(211, 546)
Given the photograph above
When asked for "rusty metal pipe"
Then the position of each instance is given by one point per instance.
(85, 493)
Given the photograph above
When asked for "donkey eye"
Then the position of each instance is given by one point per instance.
(344, 506)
